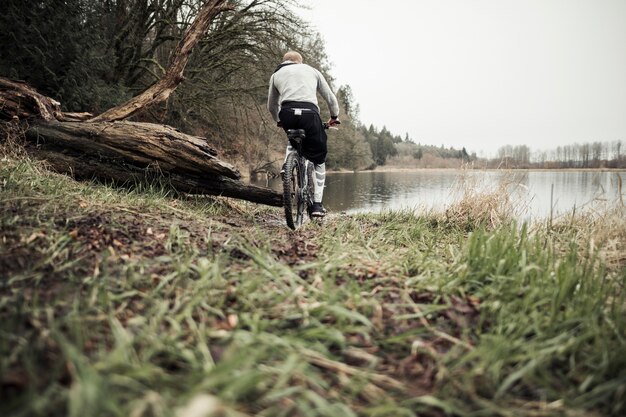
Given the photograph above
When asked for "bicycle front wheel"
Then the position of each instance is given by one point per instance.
(293, 198)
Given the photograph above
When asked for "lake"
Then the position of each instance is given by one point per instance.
(539, 193)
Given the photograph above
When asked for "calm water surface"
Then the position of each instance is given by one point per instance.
(538, 194)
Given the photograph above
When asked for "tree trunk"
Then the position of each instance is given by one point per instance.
(20, 101)
(139, 144)
(128, 152)
(123, 152)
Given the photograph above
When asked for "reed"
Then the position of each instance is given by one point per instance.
(478, 205)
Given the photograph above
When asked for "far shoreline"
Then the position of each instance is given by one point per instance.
(416, 169)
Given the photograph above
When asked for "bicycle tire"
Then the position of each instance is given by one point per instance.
(291, 192)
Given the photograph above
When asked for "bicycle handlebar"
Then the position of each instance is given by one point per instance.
(327, 126)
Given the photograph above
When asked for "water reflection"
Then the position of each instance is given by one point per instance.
(374, 191)
(542, 193)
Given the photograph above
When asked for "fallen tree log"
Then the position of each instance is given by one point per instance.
(19, 101)
(159, 147)
(122, 152)
(130, 152)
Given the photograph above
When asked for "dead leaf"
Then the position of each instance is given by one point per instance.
(34, 237)
(232, 320)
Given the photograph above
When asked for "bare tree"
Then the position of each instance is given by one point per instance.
(162, 89)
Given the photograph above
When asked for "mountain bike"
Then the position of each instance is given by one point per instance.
(297, 181)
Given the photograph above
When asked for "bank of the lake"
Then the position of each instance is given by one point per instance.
(146, 303)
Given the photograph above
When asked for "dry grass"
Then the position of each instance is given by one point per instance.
(601, 231)
(11, 141)
(599, 228)
(480, 206)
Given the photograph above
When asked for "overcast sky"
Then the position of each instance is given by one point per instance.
(482, 73)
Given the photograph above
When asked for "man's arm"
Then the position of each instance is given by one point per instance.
(324, 89)
(272, 100)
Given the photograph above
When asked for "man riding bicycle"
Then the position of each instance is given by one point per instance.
(292, 102)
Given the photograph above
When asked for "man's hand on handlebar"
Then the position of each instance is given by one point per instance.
(333, 122)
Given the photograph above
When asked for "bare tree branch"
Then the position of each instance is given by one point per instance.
(161, 90)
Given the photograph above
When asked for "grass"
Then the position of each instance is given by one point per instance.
(142, 302)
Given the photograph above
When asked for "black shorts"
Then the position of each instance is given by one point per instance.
(300, 115)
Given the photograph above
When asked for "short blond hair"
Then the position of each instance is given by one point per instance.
(293, 56)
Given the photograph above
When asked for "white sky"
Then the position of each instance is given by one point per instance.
(482, 73)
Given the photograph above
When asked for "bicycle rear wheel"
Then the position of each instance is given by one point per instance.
(293, 199)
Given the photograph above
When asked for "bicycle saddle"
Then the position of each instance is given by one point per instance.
(296, 133)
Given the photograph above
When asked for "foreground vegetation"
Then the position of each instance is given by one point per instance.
(145, 303)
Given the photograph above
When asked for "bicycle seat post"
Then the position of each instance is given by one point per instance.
(296, 136)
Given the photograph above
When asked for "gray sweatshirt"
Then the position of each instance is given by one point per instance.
(299, 82)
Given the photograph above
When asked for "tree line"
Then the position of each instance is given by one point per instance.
(578, 155)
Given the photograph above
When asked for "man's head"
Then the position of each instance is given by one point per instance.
(293, 56)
